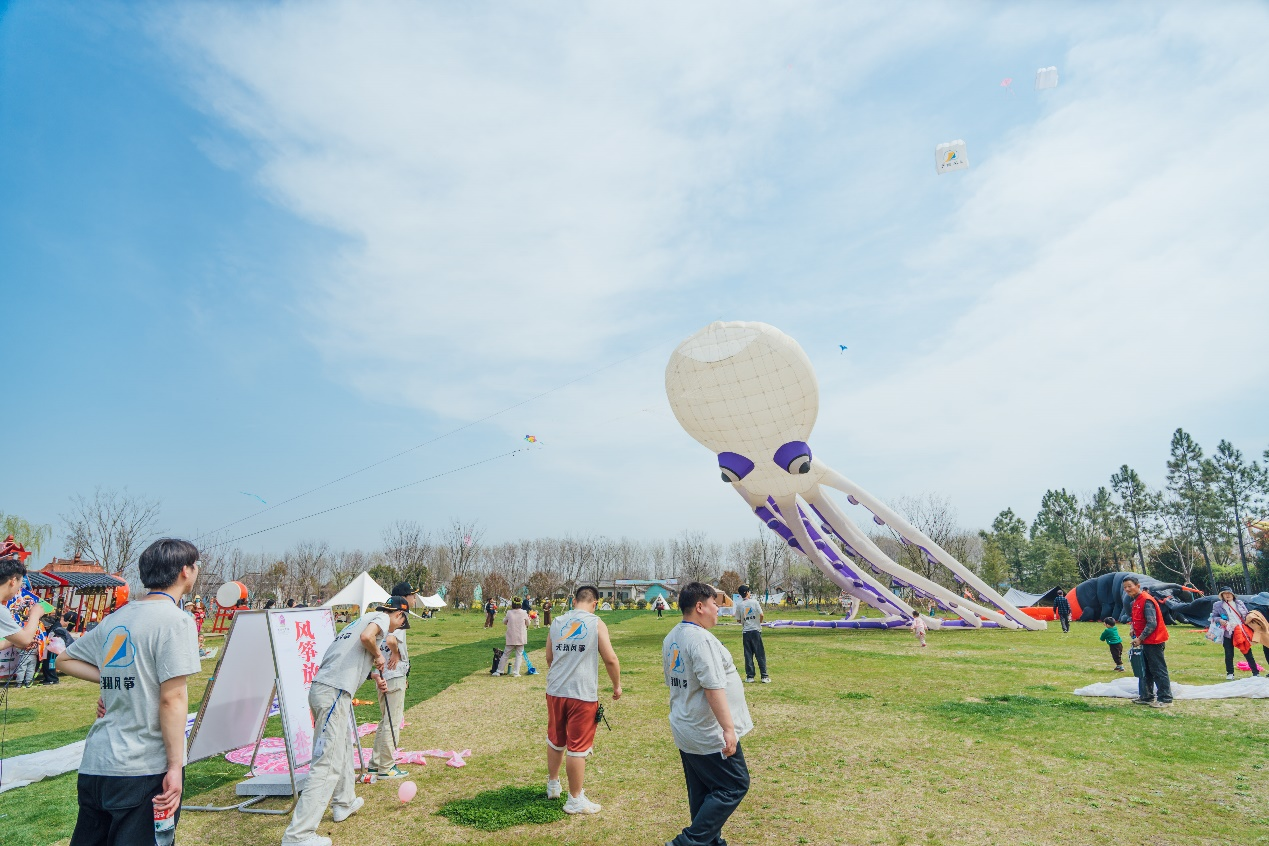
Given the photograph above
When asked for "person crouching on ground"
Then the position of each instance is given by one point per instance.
(575, 643)
(708, 716)
(141, 657)
(1230, 611)
(345, 665)
(1110, 636)
(1154, 688)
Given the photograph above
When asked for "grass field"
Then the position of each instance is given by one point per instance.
(863, 738)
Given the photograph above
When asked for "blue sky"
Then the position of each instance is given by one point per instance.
(253, 247)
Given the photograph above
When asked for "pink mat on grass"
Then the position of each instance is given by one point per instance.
(272, 756)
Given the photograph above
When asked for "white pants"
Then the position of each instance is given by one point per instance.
(385, 748)
(331, 772)
(506, 658)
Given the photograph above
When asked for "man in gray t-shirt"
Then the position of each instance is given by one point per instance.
(131, 775)
(345, 665)
(708, 716)
(750, 613)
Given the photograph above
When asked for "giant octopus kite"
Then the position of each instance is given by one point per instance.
(747, 392)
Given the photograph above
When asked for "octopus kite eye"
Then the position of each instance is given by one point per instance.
(794, 457)
(734, 466)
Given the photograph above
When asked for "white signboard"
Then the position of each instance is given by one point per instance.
(300, 639)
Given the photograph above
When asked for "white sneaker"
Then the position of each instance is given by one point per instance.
(579, 804)
(766, 679)
(553, 789)
(341, 815)
(749, 680)
(1229, 677)
(495, 674)
(515, 675)
(315, 840)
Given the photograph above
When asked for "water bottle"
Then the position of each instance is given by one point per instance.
(164, 827)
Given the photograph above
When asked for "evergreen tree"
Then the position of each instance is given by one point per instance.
(1009, 534)
(1239, 488)
(1057, 519)
(1138, 504)
(1190, 481)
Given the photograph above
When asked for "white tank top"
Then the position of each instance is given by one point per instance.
(574, 672)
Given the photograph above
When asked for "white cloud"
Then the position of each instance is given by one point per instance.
(523, 192)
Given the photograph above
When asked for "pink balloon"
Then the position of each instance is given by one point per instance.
(407, 790)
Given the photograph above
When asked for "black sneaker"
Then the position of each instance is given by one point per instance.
(1140, 701)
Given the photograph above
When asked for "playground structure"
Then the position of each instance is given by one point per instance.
(747, 392)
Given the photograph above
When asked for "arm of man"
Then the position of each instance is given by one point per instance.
(550, 650)
(173, 714)
(717, 699)
(370, 643)
(24, 638)
(394, 652)
(81, 670)
(610, 660)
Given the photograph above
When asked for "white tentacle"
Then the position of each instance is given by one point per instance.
(970, 612)
(836, 480)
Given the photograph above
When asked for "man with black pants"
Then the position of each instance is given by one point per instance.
(708, 716)
(749, 611)
(1149, 632)
(132, 773)
(1063, 609)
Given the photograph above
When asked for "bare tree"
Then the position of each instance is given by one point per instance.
(111, 527)
(696, 559)
(729, 582)
(542, 584)
(495, 587)
(308, 566)
(461, 542)
(408, 549)
(461, 591)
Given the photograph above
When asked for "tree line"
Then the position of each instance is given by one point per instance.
(1195, 530)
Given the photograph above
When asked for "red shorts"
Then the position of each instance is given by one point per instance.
(570, 724)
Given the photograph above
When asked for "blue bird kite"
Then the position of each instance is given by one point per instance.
(843, 346)
(244, 493)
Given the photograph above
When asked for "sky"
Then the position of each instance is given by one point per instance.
(248, 249)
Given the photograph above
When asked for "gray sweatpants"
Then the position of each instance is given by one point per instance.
(518, 651)
(385, 747)
(26, 666)
(331, 773)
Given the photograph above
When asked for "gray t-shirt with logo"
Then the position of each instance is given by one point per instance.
(574, 672)
(695, 661)
(750, 611)
(403, 666)
(137, 648)
(346, 663)
(8, 624)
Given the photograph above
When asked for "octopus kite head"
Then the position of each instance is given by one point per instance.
(747, 392)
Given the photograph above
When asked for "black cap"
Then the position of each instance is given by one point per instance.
(402, 589)
(397, 603)
(743, 590)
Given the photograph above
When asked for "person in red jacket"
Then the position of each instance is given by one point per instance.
(1148, 631)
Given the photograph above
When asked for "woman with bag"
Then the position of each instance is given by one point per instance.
(1230, 612)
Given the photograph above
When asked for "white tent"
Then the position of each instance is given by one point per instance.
(433, 601)
(362, 591)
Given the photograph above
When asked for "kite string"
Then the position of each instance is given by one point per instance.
(431, 441)
(371, 496)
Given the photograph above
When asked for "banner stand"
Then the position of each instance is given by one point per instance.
(235, 707)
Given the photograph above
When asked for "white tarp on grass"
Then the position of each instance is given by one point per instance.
(1126, 688)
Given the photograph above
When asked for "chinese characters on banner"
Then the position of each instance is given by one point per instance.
(300, 639)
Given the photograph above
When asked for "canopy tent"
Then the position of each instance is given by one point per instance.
(433, 601)
(362, 591)
(1019, 599)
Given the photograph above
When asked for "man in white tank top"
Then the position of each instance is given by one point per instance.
(574, 646)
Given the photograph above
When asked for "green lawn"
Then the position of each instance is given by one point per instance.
(862, 738)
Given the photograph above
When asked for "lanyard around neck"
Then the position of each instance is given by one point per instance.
(162, 593)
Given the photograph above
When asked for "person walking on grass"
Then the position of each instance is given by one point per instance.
(345, 665)
(1231, 612)
(1154, 688)
(1110, 636)
(141, 656)
(517, 622)
(750, 613)
(575, 644)
(918, 629)
(1063, 608)
(491, 608)
(708, 717)
(660, 605)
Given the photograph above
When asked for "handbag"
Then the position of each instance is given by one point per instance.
(1241, 635)
(1215, 632)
